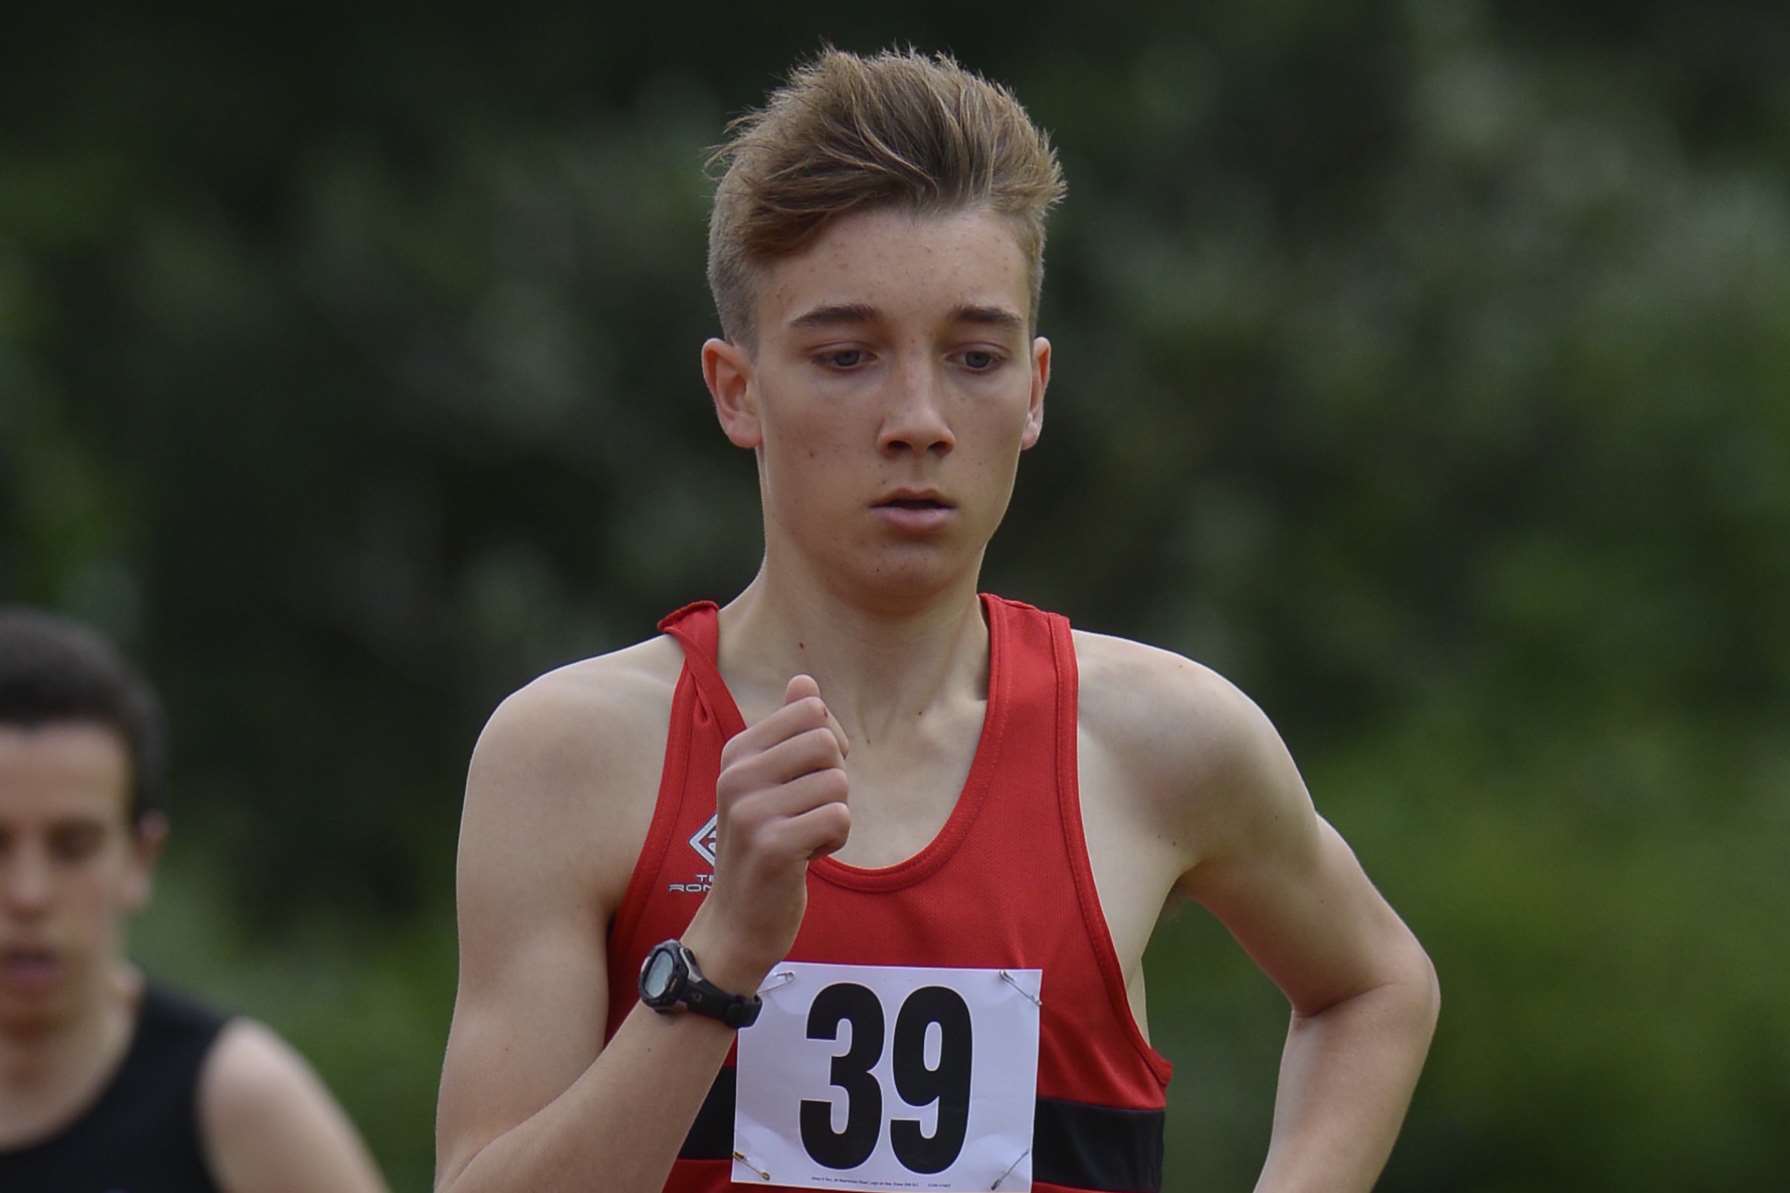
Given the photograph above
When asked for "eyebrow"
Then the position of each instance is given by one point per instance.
(835, 315)
(856, 313)
(993, 316)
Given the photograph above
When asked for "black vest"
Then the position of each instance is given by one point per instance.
(142, 1134)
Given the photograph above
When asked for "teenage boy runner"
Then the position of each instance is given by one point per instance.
(110, 1083)
(917, 838)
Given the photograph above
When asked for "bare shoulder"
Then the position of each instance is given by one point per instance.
(1203, 758)
(268, 1122)
(579, 746)
(251, 1073)
(1207, 767)
(585, 715)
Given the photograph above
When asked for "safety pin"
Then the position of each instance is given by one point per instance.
(779, 979)
(766, 1177)
(1010, 1168)
(1014, 982)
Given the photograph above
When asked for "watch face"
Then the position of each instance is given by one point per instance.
(655, 979)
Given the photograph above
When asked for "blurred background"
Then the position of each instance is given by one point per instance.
(1423, 366)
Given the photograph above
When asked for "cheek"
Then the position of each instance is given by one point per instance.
(108, 888)
(995, 430)
(133, 890)
(88, 905)
(811, 445)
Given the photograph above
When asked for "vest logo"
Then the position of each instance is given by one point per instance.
(706, 838)
(703, 842)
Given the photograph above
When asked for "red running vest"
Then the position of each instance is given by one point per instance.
(1005, 883)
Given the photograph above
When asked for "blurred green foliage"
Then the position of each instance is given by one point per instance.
(1420, 365)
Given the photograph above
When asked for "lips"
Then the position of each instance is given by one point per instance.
(28, 967)
(915, 499)
(915, 513)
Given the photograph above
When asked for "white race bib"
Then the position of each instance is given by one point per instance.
(878, 1077)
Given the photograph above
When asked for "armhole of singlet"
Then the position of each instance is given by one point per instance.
(667, 807)
(1087, 894)
(162, 1010)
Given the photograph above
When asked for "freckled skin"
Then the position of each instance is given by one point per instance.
(927, 398)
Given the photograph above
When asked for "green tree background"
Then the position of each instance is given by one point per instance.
(1421, 365)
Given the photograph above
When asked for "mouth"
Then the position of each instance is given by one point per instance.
(915, 513)
(29, 967)
(914, 500)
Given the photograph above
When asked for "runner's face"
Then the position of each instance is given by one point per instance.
(893, 387)
(70, 868)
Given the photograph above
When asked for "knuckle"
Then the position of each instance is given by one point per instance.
(834, 784)
(825, 745)
(729, 784)
(818, 738)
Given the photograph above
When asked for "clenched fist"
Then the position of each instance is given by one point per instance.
(781, 802)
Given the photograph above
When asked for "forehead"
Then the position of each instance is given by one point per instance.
(61, 770)
(906, 265)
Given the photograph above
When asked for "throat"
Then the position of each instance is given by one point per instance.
(48, 1078)
(905, 789)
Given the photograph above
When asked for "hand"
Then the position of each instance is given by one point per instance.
(781, 802)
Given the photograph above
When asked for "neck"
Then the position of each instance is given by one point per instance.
(878, 667)
(44, 1058)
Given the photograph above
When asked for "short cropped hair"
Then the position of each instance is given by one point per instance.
(848, 134)
(55, 671)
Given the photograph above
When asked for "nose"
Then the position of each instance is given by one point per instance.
(25, 882)
(914, 420)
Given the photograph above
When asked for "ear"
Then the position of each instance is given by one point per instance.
(148, 837)
(1040, 382)
(727, 370)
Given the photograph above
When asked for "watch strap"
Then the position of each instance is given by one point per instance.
(690, 990)
(705, 998)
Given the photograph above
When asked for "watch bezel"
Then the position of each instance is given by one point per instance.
(687, 990)
(675, 977)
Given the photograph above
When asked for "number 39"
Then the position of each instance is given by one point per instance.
(917, 1085)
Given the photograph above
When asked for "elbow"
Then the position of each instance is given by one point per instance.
(448, 1172)
(1425, 990)
(1407, 990)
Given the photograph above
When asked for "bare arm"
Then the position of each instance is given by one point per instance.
(270, 1126)
(545, 849)
(531, 1098)
(1363, 992)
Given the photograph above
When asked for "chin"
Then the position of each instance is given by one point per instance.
(901, 584)
(20, 1017)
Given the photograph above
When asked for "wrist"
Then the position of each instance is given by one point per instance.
(671, 980)
(725, 966)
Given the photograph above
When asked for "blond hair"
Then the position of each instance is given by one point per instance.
(848, 134)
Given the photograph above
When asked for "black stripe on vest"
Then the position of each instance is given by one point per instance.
(1073, 1143)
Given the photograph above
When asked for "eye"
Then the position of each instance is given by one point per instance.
(981, 360)
(76, 842)
(843, 359)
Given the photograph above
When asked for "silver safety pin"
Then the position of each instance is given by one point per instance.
(1014, 982)
(1010, 1167)
(762, 1174)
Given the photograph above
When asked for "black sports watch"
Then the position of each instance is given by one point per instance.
(670, 981)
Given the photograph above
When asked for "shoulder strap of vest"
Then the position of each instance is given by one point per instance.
(697, 627)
